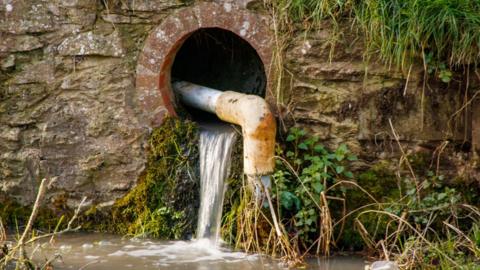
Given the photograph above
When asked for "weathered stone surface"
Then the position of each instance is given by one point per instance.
(29, 16)
(84, 17)
(21, 43)
(335, 94)
(39, 72)
(90, 43)
(148, 5)
(76, 3)
(7, 62)
(120, 18)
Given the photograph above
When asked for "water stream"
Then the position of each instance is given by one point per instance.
(216, 142)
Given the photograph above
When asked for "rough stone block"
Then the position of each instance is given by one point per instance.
(29, 16)
(89, 43)
(21, 43)
(148, 5)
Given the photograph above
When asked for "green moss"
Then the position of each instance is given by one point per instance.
(15, 215)
(164, 203)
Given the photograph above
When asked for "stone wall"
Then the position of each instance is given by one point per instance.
(68, 105)
(66, 84)
(345, 98)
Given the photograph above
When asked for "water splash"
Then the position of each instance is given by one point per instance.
(216, 143)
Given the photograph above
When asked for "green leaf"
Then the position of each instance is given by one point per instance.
(309, 221)
(303, 146)
(288, 199)
(342, 148)
(441, 196)
(318, 187)
(339, 169)
(319, 148)
(352, 158)
(290, 138)
(411, 191)
(348, 174)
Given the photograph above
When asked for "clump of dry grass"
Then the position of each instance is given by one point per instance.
(426, 225)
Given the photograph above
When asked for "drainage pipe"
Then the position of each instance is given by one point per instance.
(250, 112)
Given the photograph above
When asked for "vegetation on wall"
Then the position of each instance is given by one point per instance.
(447, 31)
(164, 203)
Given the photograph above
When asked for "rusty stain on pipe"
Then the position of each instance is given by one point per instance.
(250, 112)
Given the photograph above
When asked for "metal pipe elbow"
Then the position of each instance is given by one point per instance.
(250, 112)
(258, 124)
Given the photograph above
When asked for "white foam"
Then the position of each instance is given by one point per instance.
(91, 257)
(185, 252)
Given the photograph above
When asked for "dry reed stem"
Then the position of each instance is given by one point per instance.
(22, 260)
(3, 232)
(407, 224)
(404, 155)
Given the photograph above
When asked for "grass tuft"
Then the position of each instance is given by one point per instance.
(401, 31)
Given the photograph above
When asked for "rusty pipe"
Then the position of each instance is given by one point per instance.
(250, 112)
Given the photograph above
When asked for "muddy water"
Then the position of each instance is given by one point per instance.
(102, 252)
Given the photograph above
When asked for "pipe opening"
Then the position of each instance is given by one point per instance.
(222, 60)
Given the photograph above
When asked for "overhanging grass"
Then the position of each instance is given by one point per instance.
(402, 30)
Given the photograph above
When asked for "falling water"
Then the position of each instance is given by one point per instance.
(216, 142)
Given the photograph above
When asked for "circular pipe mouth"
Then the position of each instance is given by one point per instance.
(219, 59)
(153, 90)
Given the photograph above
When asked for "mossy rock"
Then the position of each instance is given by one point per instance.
(15, 216)
(164, 204)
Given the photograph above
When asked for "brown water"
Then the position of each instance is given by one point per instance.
(102, 252)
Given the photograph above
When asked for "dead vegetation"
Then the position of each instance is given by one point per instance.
(19, 253)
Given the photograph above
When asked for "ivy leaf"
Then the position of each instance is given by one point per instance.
(288, 199)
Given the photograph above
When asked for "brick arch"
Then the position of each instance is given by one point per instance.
(153, 86)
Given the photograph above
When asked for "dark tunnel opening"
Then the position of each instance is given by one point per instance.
(222, 60)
